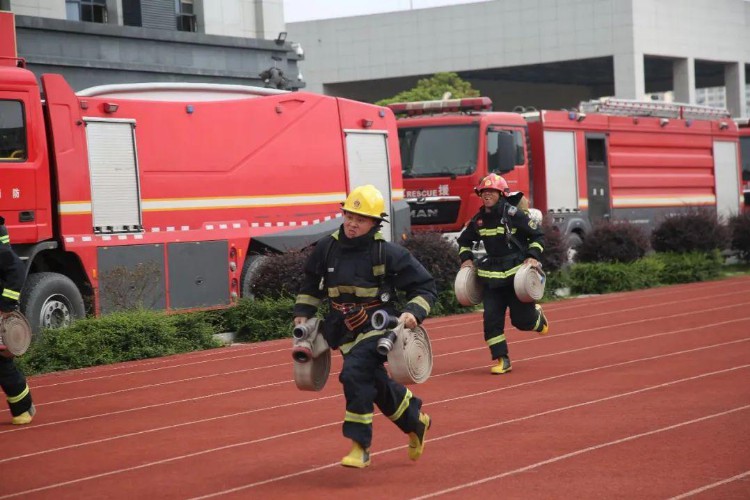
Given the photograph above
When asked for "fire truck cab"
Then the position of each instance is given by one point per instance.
(447, 147)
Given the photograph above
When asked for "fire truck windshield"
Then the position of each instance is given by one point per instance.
(439, 151)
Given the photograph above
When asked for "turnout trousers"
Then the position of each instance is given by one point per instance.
(523, 316)
(14, 386)
(366, 384)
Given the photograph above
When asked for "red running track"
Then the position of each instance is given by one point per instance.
(632, 395)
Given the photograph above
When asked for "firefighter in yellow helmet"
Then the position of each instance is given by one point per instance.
(358, 273)
(12, 380)
(511, 238)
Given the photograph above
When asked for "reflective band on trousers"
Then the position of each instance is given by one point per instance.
(16, 399)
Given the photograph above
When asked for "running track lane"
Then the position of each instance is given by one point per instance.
(640, 393)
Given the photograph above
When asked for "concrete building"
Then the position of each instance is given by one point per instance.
(94, 42)
(543, 53)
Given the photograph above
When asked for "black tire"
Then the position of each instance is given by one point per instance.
(250, 273)
(51, 300)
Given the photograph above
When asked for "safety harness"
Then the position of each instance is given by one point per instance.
(355, 314)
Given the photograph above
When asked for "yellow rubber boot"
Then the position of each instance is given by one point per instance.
(503, 366)
(417, 439)
(25, 417)
(542, 324)
(358, 457)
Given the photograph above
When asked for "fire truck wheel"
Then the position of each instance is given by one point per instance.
(51, 300)
(250, 273)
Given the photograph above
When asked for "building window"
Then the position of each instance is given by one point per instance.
(185, 15)
(93, 11)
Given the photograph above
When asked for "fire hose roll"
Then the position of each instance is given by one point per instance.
(529, 283)
(15, 334)
(409, 351)
(312, 356)
(467, 287)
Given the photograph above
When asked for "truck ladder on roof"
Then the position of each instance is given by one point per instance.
(661, 109)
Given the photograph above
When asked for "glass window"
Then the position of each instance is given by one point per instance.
(12, 132)
(745, 156)
(439, 151)
(93, 11)
(185, 15)
(517, 144)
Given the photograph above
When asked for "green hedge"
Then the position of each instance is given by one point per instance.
(117, 337)
(654, 270)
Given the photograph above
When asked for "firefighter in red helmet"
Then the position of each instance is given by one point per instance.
(12, 380)
(358, 273)
(510, 239)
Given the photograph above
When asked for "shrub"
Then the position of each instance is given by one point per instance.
(740, 233)
(280, 275)
(618, 241)
(688, 267)
(260, 319)
(556, 247)
(602, 277)
(117, 337)
(693, 230)
(438, 255)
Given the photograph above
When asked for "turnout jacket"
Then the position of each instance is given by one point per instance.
(12, 272)
(344, 273)
(509, 237)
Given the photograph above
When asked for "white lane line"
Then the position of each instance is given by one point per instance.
(452, 353)
(217, 355)
(711, 486)
(520, 419)
(580, 452)
(315, 400)
(307, 471)
(271, 384)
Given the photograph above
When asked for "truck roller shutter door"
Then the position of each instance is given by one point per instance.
(368, 163)
(726, 176)
(115, 195)
(561, 168)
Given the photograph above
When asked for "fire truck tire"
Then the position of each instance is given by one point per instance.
(51, 300)
(250, 273)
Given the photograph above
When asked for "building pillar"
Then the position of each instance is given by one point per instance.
(734, 82)
(683, 78)
(630, 82)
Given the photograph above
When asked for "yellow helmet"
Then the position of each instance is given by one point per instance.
(365, 200)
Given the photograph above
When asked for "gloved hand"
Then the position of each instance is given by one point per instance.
(408, 320)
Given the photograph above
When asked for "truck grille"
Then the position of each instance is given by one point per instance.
(436, 212)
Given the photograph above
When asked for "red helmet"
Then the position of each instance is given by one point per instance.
(492, 181)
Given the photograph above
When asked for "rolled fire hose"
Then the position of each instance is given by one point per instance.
(15, 334)
(467, 287)
(312, 356)
(529, 283)
(410, 358)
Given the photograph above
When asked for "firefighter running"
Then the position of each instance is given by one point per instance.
(511, 239)
(359, 273)
(12, 381)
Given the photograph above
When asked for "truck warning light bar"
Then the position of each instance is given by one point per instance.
(442, 106)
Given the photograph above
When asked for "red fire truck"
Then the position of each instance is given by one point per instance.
(614, 158)
(189, 182)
